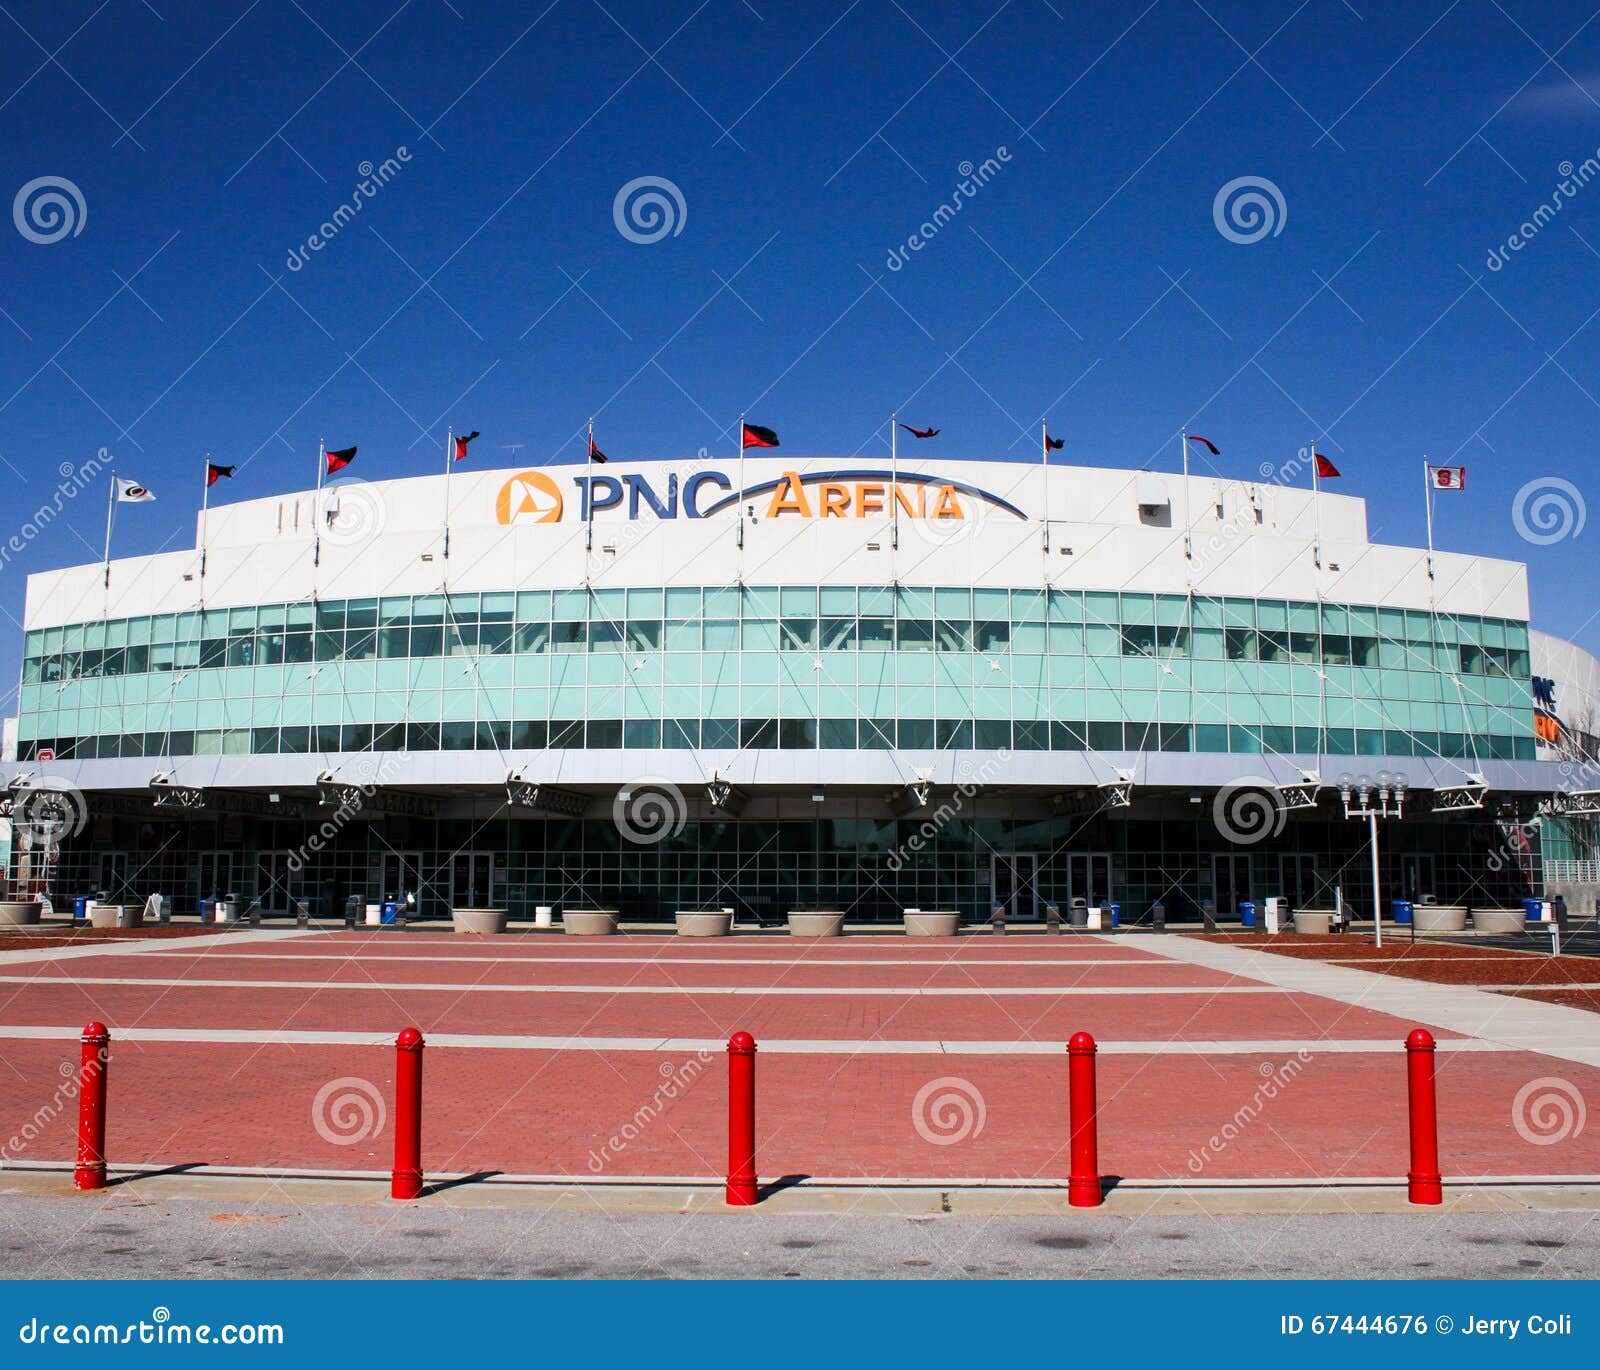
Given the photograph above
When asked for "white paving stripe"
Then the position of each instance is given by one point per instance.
(1054, 964)
(749, 991)
(68, 1036)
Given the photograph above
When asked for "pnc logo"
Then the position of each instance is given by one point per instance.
(528, 497)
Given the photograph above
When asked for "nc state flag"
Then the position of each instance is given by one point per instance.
(1448, 477)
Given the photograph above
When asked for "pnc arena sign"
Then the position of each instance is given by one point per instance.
(534, 496)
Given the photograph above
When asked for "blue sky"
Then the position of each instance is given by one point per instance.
(487, 283)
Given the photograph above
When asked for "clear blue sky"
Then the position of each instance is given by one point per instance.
(487, 284)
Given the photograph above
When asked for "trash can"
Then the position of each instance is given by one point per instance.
(1116, 914)
(1533, 910)
(542, 916)
(1078, 913)
(391, 909)
(1402, 911)
(80, 908)
(1247, 913)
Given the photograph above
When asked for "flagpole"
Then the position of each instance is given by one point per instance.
(1316, 508)
(1044, 470)
(316, 507)
(111, 504)
(1427, 497)
(205, 508)
(739, 503)
(1188, 542)
(588, 490)
(894, 480)
(449, 466)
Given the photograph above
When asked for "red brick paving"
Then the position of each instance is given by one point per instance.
(549, 1112)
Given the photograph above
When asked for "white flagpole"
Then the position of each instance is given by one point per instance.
(449, 466)
(739, 504)
(1188, 542)
(1427, 496)
(1316, 508)
(316, 504)
(1044, 470)
(588, 489)
(894, 480)
(205, 507)
(111, 504)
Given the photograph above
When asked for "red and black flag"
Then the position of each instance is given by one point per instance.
(1326, 470)
(1210, 446)
(1053, 444)
(595, 454)
(461, 444)
(915, 432)
(340, 459)
(757, 436)
(214, 473)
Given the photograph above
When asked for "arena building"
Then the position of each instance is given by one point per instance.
(792, 683)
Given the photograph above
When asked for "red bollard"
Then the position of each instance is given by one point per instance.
(741, 1187)
(406, 1181)
(91, 1171)
(1083, 1183)
(1423, 1185)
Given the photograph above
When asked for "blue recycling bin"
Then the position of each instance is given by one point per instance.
(1402, 910)
(1247, 913)
(1533, 910)
(1116, 915)
(391, 908)
(80, 908)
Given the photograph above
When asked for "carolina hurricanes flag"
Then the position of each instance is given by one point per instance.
(757, 436)
(337, 461)
(1326, 470)
(214, 473)
(1210, 446)
(595, 454)
(461, 444)
(1448, 477)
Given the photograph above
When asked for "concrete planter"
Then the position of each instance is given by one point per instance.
(816, 924)
(1439, 917)
(116, 916)
(20, 913)
(484, 921)
(1499, 920)
(705, 924)
(1313, 922)
(923, 924)
(589, 922)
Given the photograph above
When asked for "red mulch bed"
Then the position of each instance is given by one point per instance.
(1572, 998)
(1355, 946)
(28, 939)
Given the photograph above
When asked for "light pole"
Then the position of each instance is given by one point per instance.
(1372, 803)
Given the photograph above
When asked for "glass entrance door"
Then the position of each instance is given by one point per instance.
(472, 880)
(1230, 882)
(1298, 881)
(400, 876)
(1416, 876)
(114, 876)
(216, 875)
(1089, 878)
(1014, 884)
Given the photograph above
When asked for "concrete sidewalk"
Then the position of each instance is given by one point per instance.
(1570, 1034)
